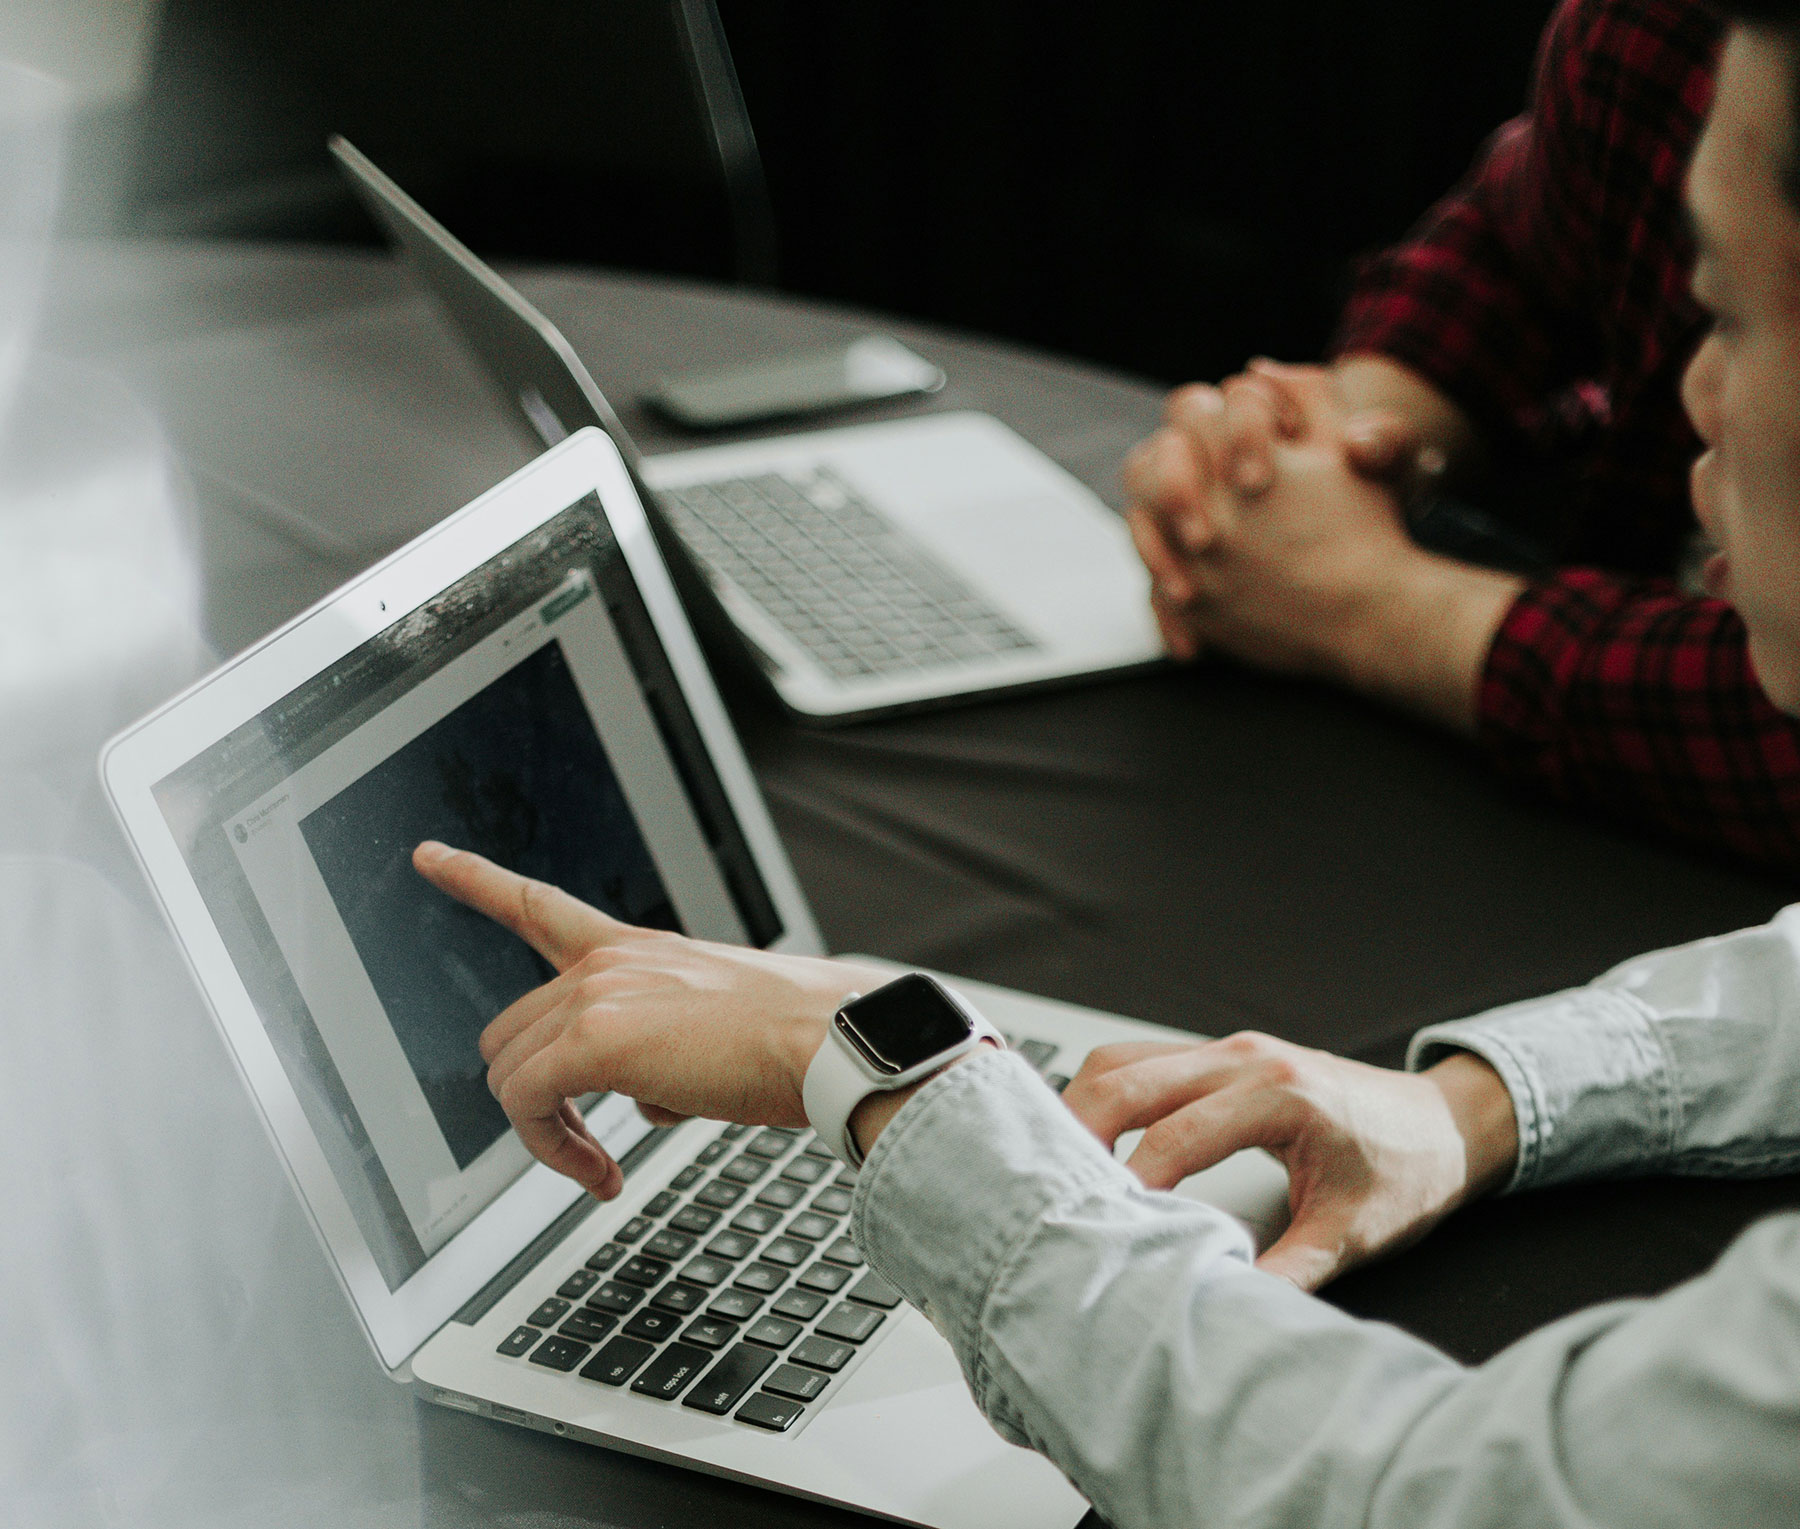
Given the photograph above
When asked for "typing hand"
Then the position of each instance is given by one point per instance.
(1375, 1158)
(1217, 451)
(685, 1027)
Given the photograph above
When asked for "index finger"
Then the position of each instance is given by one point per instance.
(560, 928)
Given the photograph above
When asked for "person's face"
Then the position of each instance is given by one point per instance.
(1742, 389)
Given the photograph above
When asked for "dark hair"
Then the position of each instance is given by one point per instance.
(1781, 18)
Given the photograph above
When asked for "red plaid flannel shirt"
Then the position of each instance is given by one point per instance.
(1548, 295)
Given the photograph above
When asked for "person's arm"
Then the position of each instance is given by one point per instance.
(1630, 696)
(1318, 576)
(1124, 1334)
(1682, 1061)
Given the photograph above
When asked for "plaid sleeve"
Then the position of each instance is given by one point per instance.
(1628, 695)
(1519, 287)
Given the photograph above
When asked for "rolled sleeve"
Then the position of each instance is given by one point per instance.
(1686, 1060)
(1591, 1088)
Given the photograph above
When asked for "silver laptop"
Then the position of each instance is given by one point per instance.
(521, 680)
(865, 569)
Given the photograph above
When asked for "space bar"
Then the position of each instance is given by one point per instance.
(729, 1379)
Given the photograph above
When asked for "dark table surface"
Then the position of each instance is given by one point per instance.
(1206, 848)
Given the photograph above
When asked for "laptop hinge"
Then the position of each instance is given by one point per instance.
(485, 1299)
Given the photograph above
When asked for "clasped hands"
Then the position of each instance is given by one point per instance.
(1269, 514)
(691, 1028)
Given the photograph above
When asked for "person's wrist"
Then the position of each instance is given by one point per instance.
(808, 1022)
(1418, 632)
(1481, 1108)
(870, 1118)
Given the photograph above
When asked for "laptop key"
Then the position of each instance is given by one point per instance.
(678, 1297)
(696, 1220)
(671, 1371)
(775, 1413)
(661, 1203)
(735, 1305)
(652, 1325)
(559, 1353)
(827, 1277)
(731, 1376)
(705, 1271)
(844, 1252)
(616, 1298)
(733, 1131)
(744, 1169)
(776, 1332)
(801, 1305)
(791, 1380)
(688, 1177)
(644, 1271)
(851, 1323)
(770, 1144)
(669, 1244)
(732, 1246)
(549, 1314)
(578, 1284)
(518, 1342)
(812, 1226)
(822, 1353)
(787, 1251)
(712, 1152)
(833, 1202)
(873, 1290)
(764, 1279)
(588, 1326)
(1038, 1053)
(633, 1229)
(806, 1170)
(709, 1332)
(721, 1194)
(1058, 1081)
(817, 1148)
(618, 1361)
(605, 1256)
(756, 1219)
(781, 1194)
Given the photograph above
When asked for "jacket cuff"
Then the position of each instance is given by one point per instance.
(1592, 1089)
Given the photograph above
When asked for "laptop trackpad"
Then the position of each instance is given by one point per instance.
(1250, 1186)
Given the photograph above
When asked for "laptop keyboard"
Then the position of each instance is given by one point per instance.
(735, 1291)
(858, 594)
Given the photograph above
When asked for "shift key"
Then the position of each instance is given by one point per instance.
(727, 1381)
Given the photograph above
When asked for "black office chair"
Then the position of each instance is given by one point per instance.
(610, 131)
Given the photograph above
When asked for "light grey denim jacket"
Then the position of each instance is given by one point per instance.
(1126, 1336)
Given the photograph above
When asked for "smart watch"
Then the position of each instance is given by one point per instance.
(877, 1042)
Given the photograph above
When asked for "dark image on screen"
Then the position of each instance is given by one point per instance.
(516, 773)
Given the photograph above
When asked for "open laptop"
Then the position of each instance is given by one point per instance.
(864, 569)
(521, 680)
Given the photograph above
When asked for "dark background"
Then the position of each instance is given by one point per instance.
(1167, 186)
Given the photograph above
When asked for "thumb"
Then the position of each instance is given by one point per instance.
(560, 928)
(1380, 444)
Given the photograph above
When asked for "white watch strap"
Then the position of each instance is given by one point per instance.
(836, 1083)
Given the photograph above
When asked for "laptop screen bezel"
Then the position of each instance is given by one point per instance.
(397, 1322)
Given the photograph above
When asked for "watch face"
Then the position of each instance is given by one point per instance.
(907, 1022)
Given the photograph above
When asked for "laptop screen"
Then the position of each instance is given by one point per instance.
(528, 713)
